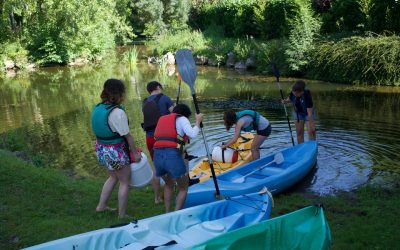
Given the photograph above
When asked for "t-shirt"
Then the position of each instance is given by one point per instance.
(183, 127)
(248, 120)
(307, 101)
(163, 105)
(118, 121)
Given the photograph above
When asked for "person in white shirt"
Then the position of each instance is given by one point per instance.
(115, 148)
(171, 134)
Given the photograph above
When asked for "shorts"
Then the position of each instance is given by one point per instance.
(113, 156)
(265, 132)
(169, 161)
(150, 144)
(302, 116)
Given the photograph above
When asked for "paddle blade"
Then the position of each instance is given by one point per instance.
(275, 71)
(278, 158)
(186, 67)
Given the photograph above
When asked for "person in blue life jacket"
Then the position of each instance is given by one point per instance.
(171, 135)
(247, 120)
(303, 110)
(115, 147)
(155, 106)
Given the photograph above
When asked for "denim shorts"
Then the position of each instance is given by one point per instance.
(302, 116)
(169, 161)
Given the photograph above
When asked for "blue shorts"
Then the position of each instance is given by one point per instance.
(169, 161)
(302, 116)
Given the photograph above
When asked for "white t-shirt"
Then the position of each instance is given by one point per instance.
(183, 127)
(118, 121)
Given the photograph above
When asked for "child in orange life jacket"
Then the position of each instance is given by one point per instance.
(171, 134)
(247, 120)
(114, 144)
(302, 102)
(154, 106)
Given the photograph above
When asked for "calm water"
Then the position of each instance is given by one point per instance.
(48, 112)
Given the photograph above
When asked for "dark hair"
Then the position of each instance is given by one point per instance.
(153, 85)
(182, 109)
(299, 86)
(229, 119)
(113, 91)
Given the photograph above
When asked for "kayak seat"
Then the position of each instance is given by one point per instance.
(271, 171)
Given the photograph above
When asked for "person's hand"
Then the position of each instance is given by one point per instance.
(199, 118)
(137, 156)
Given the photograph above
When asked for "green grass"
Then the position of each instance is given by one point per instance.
(41, 204)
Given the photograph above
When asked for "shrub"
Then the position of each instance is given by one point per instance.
(384, 16)
(372, 60)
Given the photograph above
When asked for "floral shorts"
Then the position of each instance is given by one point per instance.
(113, 156)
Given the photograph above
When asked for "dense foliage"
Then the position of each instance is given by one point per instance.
(47, 32)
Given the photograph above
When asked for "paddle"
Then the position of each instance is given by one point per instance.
(187, 71)
(276, 73)
(278, 159)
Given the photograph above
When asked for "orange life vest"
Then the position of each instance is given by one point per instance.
(166, 135)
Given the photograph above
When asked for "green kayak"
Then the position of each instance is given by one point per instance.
(306, 228)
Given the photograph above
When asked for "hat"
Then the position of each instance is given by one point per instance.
(151, 86)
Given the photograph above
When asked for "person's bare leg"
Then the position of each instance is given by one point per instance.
(168, 192)
(124, 175)
(106, 191)
(311, 132)
(300, 131)
(156, 188)
(183, 183)
(255, 146)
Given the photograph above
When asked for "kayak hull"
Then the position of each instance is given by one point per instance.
(185, 227)
(298, 161)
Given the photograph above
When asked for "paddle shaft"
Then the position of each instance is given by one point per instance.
(276, 72)
(196, 105)
(258, 169)
(179, 91)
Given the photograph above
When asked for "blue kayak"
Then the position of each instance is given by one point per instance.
(277, 175)
(176, 230)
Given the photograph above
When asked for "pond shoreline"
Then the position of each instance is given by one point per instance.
(55, 205)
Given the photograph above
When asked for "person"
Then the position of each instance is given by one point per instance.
(114, 144)
(154, 106)
(247, 120)
(171, 134)
(303, 110)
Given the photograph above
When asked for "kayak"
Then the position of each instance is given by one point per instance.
(306, 229)
(179, 229)
(297, 163)
(242, 146)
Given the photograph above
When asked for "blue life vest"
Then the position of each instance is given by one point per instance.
(100, 125)
(254, 114)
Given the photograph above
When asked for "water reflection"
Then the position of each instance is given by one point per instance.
(49, 112)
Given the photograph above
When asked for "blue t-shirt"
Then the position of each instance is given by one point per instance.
(301, 104)
(163, 106)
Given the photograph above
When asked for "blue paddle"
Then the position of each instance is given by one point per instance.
(187, 70)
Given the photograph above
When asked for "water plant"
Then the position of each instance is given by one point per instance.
(132, 56)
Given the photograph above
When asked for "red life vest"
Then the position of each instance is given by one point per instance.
(166, 135)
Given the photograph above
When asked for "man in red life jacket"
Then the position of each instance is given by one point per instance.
(171, 134)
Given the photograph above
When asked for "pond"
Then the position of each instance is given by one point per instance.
(48, 113)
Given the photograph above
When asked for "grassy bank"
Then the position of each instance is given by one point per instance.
(39, 204)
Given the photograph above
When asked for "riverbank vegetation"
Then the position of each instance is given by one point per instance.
(54, 204)
(304, 37)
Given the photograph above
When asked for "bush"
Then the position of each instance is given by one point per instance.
(384, 16)
(372, 60)
(344, 16)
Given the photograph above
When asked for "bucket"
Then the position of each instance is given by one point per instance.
(141, 173)
(226, 156)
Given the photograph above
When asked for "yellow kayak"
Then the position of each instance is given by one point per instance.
(242, 147)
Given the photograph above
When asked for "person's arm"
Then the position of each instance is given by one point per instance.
(169, 104)
(310, 110)
(118, 122)
(188, 129)
(132, 148)
(238, 127)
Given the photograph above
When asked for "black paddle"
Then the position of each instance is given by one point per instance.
(276, 73)
(187, 71)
